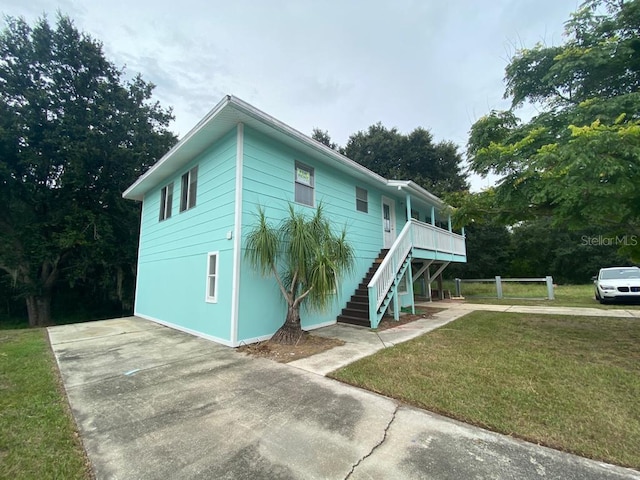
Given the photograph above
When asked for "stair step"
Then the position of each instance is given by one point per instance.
(348, 312)
(354, 321)
(357, 309)
(355, 305)
(359, 299)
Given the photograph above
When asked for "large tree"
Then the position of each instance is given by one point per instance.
(73, 135)
(434, 166)
(578, 160)
(305, 257)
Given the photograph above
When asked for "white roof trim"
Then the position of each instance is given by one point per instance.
(207, 118)
(242, 107)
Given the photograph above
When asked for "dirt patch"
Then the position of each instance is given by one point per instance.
(425, 312)
(307, 346)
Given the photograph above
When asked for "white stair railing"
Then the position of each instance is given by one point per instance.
(384, 277)
(413, 234)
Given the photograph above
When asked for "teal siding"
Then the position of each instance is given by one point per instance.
(172, 260)
(268, 181)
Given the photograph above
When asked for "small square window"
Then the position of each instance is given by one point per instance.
(212, 277)
(304, 184)
(166, 201)
(189, 189)
(362, 200)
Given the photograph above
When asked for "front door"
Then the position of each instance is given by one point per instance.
(388, 222)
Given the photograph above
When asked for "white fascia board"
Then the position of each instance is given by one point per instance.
(418, 191)
(276, 124)
(128, 193)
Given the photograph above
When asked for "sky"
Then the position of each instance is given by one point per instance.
(339, 65)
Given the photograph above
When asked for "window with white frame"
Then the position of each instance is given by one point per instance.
(166, 201)
(362, 200)
(304, 184)
(189, 189)
(212, 277)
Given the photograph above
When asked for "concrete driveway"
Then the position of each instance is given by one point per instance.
(154, 403)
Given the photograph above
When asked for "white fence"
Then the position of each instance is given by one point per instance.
(499, 281)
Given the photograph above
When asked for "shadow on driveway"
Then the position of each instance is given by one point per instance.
(155, 403)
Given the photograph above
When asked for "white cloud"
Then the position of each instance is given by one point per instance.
(337, 65)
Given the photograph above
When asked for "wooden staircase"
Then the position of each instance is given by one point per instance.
(357, 309)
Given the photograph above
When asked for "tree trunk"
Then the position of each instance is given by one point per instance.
(291, 331)
(39, 310)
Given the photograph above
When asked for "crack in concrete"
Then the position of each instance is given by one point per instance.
(375, 447)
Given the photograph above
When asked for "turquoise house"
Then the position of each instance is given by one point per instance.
(201, 198)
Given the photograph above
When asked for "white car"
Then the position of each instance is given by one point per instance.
(618, 283)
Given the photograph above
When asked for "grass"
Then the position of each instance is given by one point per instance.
(37, 435)
(571, 383)
(533, 294)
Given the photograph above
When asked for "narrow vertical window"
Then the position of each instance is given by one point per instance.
(212, 277)
(304, 184)
(166, 201)
(362, 200)
(386, 214)
(189, 189)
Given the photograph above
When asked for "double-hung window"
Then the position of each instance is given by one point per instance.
(166, 201)
(212, 277)
(362, 200)
(189, 189)
(304, 184)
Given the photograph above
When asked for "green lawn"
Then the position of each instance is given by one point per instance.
(533, 294)
(37, 435)
(572, 383)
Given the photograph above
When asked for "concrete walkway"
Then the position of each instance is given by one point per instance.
(545, 310)
(154, 403)
(361, 342)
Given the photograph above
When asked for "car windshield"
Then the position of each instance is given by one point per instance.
(620, 273)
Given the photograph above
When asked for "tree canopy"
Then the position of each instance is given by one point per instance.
(578, 160)
(434, 166)
(73, 135)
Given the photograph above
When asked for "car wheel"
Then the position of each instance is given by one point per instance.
(602, 301)
(597, 295)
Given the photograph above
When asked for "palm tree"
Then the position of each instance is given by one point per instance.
(306, 258)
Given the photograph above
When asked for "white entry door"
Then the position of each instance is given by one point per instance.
(388, 222)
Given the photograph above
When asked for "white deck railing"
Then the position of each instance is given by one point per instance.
(414, 234)
(430, 237)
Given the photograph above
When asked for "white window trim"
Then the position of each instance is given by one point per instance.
(365, 201)
(208, 298)
(166, 206)
(185, 195)
(312, 183)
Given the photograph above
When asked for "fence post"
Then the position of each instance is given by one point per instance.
(458, 289)
(550, 294)
(499, 287)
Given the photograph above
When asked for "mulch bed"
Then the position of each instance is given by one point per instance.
(311, 344)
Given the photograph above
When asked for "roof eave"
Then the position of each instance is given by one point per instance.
(135, 191)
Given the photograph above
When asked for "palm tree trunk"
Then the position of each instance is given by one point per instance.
(291, 331)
